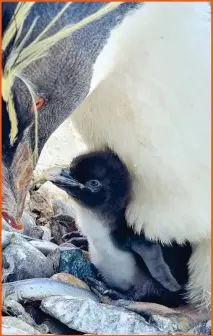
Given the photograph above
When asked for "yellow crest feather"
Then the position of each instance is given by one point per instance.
(21, 57)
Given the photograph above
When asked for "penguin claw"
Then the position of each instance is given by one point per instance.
(79, 242)
(101, 287)
(76, 239)
(70, 235)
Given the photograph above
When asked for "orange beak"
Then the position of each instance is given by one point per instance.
(15, 184)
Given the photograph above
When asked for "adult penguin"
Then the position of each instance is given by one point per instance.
(139, 80)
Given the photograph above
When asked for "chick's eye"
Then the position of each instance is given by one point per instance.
(93, 184)
(39, 103)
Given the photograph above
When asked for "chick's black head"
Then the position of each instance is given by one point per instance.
(98, 180)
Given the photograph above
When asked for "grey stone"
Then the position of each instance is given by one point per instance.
(201, 329)
(15, 326)
(21, 261)
(89, 316)
(73, 261)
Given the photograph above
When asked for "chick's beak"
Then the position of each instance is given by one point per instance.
(62, 178)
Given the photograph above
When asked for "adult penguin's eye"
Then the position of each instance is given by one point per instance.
(39, 103)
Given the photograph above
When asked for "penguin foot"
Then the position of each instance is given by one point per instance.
(76, 239)
(101, 287)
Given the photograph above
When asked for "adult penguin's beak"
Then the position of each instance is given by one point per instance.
(17, 171)
(15, 182)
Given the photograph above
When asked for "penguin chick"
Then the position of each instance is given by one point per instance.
(100, 185)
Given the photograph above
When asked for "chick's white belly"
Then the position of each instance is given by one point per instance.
(117, 267)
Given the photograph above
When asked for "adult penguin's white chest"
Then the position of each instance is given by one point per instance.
(150, 102)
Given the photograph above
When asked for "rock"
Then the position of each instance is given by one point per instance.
(29, 223)
(57, 231)
(68, 278)
(32, 230)
(90, 317)
(70, 246)
(177, 323)
(73, 262)
(32, 308)
(95, 318)
(67, 246)
(63, 220)
(41, 202)
(54, 258)
(6, 237)
(56, 327)
(52, 209)
(36, 232)
(62, 207)
(38, 289)
(8, 266)
(45, 247)
(46, 233)
(201, 329)
(17, 310)
(86, 255)
(25, 262)
(175, 320)
(64, 214)
(15, 326)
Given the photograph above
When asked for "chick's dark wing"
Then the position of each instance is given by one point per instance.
(152, 255)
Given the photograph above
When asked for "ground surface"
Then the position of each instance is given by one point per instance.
(64, 144)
